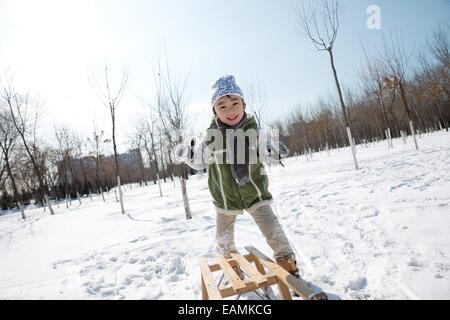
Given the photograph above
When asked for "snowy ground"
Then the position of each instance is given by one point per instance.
(382, 232)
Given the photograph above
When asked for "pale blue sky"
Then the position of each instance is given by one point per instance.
(50, 44)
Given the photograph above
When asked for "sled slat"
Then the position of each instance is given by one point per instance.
(237, 284)
(208, 282)
(258, 265)
(216, 267)
(257, 277)
(298, 285)
(228, 291)
(284, 291)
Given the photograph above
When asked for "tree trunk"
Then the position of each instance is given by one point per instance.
(162, 160)
(13, 182)
(347, 122)
(141, 167)
(405, 104)
(116, 156)
(185, 199)
(442, 115)
(120, 195)
(155, 157)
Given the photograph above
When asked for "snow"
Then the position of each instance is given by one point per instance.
(382, 232)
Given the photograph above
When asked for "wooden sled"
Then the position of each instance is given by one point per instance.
(258, 278)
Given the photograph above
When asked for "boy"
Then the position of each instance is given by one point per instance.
(239, 182)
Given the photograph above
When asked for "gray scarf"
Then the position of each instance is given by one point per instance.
(240, 172)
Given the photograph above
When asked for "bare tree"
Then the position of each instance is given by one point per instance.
(24, 113)
(377, 82)
(169, 119)
(439, 47)
(397, 59)
(324, 118)
(148, 122)
(440, 73)
(79, 146)
(96, 144)
(150, 147)
(69, 151)
(63, 154)
(256, 100)
(172, 112)
(111, 100)
(8, 137)
(318, 20)
(136, 139)
(430, 84)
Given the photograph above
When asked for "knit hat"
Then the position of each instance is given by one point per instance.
(224, 86)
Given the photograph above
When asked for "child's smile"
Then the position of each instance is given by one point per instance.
(230, 109)
(232, 118)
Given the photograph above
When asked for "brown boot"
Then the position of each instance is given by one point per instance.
(290, 265)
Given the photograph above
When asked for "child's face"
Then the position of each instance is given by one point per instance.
(230, 109)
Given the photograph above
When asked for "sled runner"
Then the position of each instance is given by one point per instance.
(254, 266)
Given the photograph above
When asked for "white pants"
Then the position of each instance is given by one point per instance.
(267, 223)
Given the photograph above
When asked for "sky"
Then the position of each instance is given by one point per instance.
(50, 47)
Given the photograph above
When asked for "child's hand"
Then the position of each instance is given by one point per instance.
(191, 153)
(283, 150)
(277, 152)
(182, 153)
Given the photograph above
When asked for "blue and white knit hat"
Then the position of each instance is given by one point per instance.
(224, 86)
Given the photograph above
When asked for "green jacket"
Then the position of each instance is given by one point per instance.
(228, 196)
